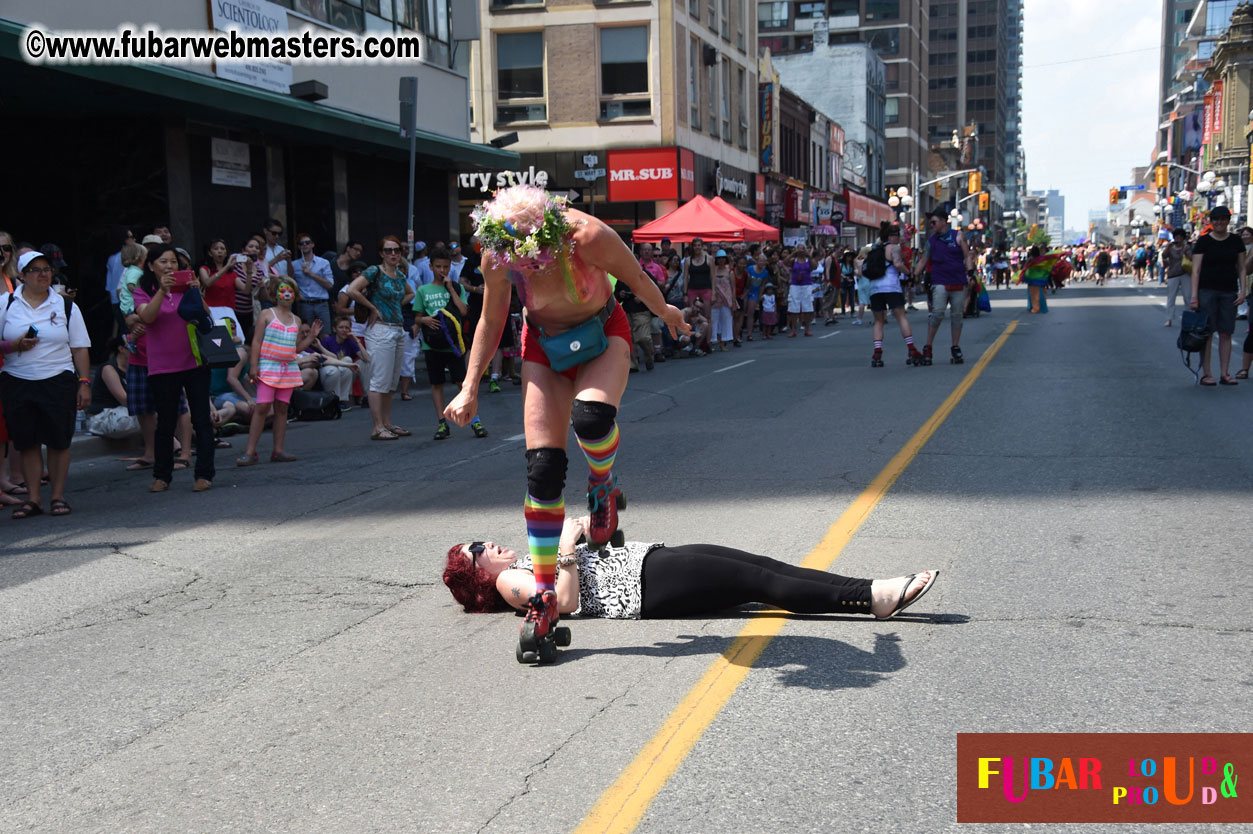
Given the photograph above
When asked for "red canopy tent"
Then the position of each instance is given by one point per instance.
(697, 217)
(753, 229)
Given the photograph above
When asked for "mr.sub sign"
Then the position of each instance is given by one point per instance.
(651, 174)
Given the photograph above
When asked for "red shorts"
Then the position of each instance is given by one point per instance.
(533, 351)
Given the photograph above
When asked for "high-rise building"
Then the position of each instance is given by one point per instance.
(975, 79)
(633, 107)
(1176, 15)
(896, 30)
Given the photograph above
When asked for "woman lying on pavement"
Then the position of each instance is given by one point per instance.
(653, 581)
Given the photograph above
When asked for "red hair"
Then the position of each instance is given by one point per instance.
(470, 585)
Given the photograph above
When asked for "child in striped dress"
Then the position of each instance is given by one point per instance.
(275, 345)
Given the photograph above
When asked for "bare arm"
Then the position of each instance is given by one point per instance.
(967, 256)
(263, 321)
(356, 291)
(607, 251)
(1196, 277)
(113, 382)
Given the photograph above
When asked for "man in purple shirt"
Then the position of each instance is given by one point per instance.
(800, 297)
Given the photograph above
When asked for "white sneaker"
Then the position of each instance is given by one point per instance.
(1169, 322)
(857, 321)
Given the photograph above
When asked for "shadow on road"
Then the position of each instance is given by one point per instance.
(804, 661)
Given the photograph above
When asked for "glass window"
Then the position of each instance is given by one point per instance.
(811, 10)
(892, 76)
(624, 60)
(712, 88)
(726, 19)
(520, 76)
(844, 7)
(772, 15)
(884, 41)
(726, 100)
(891, 111)
(435, 19)
(743, 104)
(693, 82)
(883, 9)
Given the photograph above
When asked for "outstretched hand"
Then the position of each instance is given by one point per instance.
(673, 318)
(463, 407)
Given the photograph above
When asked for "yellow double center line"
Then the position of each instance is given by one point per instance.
(622, 806)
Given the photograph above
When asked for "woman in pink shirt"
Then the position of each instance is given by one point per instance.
(173, 369)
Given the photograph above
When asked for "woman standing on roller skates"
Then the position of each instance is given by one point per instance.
(886, 294)
(575, 361)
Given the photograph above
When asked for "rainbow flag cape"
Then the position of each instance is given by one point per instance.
(1037, 270)
(982, 302)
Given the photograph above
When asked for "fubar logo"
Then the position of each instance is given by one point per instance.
(1103, 777)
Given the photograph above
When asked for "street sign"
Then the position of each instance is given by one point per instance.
(1131, 187)
(589, 174)
(590, 159)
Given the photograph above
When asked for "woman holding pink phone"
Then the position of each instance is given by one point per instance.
(173, 369)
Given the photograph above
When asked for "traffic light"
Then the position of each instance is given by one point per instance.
(1162, 176)
(939, 189)
(975, 182)
(1113, 196)
(984, 201)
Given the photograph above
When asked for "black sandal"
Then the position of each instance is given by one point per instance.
(28, 509)
(59, 506)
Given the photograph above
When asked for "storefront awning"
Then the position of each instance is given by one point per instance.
(195, 95)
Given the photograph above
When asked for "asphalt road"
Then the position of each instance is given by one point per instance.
(279, 655)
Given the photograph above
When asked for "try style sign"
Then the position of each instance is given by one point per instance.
(483, 181)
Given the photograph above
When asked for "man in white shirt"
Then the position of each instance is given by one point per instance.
(112, 277)
(457, 263)
(314, 278)
(420, 272)
(275, 255)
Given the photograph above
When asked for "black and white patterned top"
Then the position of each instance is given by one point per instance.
(609, 579)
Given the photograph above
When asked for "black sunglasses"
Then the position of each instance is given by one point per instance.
(474, 549)
(275, 231)
(7, 247)
(390, 250)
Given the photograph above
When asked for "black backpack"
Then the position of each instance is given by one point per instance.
(314, 405)
(1194, 332)
(876, 264)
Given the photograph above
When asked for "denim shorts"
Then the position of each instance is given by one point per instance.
(1220, 306)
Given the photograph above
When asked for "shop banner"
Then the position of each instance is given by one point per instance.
(245, 17)
(648, 174)
(867, 212)
(687, 174)
(1217, 126)
(230, 163)
(1208, 118)
(767, 127)
(760, 191)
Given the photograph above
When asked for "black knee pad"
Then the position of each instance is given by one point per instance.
(546, 473)
(592, 420)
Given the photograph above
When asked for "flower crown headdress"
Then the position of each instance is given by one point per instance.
(523, 225)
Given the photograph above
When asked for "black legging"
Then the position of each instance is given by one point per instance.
(703, 578)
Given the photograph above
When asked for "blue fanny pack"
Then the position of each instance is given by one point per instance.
(579, 344)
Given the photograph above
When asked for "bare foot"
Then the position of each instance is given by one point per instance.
(885, 594)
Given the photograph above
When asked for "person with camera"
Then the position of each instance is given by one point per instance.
(173, 370)
(440, 309)
(46, 377)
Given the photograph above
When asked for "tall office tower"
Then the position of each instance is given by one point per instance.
(897, 31)
(1174, 88)
(975, 58)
